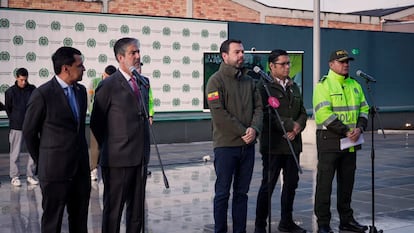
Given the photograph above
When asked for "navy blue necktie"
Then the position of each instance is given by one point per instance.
(72, 102)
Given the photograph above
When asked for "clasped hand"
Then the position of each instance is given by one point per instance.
(354, 134)
(249, 136)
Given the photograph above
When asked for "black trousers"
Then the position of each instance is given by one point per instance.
(290, 183)
(123, 186)
(74, 195)
(344, 165)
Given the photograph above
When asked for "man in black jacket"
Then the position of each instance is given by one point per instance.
(275, 150)
(16, 98)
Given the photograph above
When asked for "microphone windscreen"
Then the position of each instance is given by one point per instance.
(273, 102)
(256, 69)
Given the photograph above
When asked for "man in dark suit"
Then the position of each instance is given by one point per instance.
(54, 130)
(119, 122)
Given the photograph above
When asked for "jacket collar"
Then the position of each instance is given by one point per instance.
(337, 77)
(231, 71)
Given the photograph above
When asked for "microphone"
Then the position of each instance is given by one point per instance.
(366, 76)
(273, 102)
(138, 76)
(260, 72)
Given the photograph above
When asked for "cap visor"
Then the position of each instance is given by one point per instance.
(345, 59)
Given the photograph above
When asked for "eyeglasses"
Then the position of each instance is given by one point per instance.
(282, 63)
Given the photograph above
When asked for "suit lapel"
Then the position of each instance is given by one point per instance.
(125, 85)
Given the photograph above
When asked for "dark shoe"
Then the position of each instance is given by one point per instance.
(325, 229)
(353, 226)
(290, 227)
(259, 229)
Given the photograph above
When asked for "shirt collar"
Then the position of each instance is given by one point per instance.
(61, 82)
(126, 75)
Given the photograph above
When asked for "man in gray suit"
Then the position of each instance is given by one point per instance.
(119, 122)
(54, 130)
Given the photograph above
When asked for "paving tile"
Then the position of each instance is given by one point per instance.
(187, 206)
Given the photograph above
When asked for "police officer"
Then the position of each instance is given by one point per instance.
(341, 111)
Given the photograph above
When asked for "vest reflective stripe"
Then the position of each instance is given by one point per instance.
(351, 126)
(329, 120)
(322, 104)
(364, 115)
(345, 109)
(363, 104)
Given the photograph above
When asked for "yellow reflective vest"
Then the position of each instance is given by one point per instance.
(337, 97)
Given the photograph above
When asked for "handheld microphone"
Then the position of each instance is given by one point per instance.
(138, 76)
(273, 102)
(366, 76)
(262, 74)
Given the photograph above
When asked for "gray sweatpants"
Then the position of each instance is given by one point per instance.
(16, 141)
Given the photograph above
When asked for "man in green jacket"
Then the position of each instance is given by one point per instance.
(236, 111)
(341, 111)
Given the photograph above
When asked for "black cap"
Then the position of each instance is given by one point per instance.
(340, 55)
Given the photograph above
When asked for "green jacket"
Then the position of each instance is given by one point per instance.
(339, 106)
(235, 104)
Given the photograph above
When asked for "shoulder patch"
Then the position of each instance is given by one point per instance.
(213, 96)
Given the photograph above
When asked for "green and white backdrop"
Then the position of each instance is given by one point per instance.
(171, 49)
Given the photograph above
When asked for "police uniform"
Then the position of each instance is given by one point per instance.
(339, 106)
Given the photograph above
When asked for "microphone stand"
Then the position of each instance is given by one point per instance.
(373, 112)
(269, 192)
(144, 166)
(270, 100)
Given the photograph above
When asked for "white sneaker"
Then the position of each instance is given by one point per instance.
(16, 182)
(32, 180)
(94, 174)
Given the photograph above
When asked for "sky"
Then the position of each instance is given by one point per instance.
(338, 6)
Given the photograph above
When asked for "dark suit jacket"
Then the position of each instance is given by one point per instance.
(55, 140)
(119, 123)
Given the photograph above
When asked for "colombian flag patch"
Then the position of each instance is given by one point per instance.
(213, 96)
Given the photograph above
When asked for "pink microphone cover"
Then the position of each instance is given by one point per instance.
(273, 102)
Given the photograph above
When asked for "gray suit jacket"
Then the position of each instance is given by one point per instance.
(120, 123)
(55, 140)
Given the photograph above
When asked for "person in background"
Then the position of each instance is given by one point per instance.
(150, 102)
(341, 111)
(94, 150)
(236, 111)
(275, 150)
(54, 130)
(16, 98)
(121, 128)
(150, 96)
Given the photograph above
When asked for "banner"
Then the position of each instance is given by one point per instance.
(171, 49)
